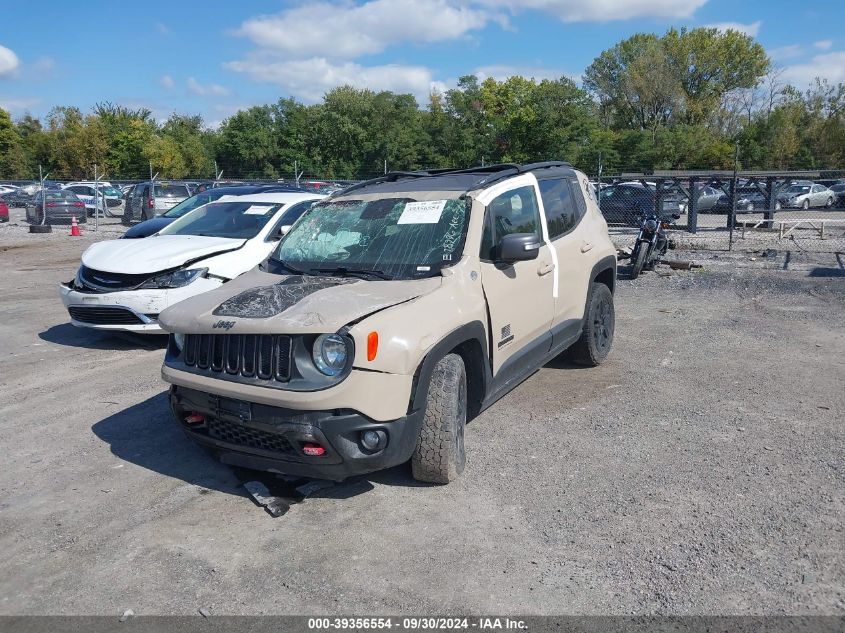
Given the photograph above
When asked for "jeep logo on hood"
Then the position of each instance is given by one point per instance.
(224, 325)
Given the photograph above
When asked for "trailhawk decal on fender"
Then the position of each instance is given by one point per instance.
(268, 301)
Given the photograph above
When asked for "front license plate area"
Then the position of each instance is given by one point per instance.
(234, 408)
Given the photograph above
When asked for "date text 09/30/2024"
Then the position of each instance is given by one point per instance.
(416, 624)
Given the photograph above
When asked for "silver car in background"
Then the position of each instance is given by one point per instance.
(804, 196)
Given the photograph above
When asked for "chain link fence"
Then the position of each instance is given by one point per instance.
(717, 210)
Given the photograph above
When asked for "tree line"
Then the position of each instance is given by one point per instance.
(688, 99)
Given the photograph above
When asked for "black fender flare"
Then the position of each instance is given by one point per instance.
(605, 263)
(473, 331)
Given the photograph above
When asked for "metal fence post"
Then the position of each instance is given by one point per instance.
(771, 200)
(692, 207)
(658, 198)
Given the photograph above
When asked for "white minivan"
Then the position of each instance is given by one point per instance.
(125, 284)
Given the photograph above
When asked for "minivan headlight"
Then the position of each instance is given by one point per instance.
(176, 279)
(330, 354)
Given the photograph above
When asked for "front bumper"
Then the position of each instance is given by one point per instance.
(91, 308)
(263, 437)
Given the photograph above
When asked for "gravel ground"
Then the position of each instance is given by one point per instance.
(699, 471)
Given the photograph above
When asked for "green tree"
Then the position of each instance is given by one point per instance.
(12, 158)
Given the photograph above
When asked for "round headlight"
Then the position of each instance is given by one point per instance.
(651, 225)
(330, 354)
(179, 341)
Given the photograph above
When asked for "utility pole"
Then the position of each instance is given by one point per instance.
(385, 166)
(296, 173)
(732, 214)
(43, 198)
(96, 199)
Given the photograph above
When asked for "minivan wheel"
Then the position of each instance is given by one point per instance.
(599, 324)
(439, 456)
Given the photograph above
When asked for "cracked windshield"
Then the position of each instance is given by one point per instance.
(388, 238)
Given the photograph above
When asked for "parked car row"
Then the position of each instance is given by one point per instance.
(625, 202)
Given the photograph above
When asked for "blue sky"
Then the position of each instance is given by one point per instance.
(216, 56)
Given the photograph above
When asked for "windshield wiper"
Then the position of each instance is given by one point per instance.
(342, 270)
(286, 266)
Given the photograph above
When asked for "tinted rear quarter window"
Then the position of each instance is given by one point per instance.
(563, 203)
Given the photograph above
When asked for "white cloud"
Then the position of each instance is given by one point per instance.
(787, 52)
(347, 31)
(208, 90)
(167, 82)
(830, 66)
(603, 10)
(823, 45)
(310, 79)
(9, 62)
(17, 104)
(749, 29)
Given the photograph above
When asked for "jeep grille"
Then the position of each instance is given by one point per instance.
(262, 356)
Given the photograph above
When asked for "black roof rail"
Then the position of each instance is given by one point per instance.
(516, 169)
(391, 176)
(496, 172)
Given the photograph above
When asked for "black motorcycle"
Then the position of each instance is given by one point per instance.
(651, 244)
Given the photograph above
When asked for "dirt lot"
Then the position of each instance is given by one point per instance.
(699, 471)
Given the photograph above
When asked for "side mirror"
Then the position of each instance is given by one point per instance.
(282, 231)
(519, 247)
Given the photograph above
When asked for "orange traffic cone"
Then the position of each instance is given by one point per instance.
(74, 227)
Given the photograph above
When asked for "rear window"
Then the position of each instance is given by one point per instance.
(171, 191)
(61, 195)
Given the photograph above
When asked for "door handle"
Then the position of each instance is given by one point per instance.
(545, 269)
(586, 246)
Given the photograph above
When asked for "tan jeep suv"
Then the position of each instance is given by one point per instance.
(389, 315)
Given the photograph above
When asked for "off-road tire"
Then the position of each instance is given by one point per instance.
(599, 323)
(439, 456)
(638, 263)
(40, 228)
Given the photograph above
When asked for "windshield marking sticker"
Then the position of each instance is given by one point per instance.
(427, 212)
(258, 209)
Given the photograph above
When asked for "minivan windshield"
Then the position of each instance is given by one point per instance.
(237, 220)
(388, 238)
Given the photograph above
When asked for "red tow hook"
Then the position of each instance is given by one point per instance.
(195, 418)
(313, 450)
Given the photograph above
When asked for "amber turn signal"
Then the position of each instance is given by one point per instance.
(372, 345)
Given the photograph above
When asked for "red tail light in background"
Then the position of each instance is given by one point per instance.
(150, 203)
(51, 204)
(79, 204)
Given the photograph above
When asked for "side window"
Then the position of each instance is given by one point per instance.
(562, 214)
(514, 211)
(146, 191)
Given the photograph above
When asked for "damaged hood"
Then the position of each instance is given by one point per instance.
(261, 303)
(150, 255)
